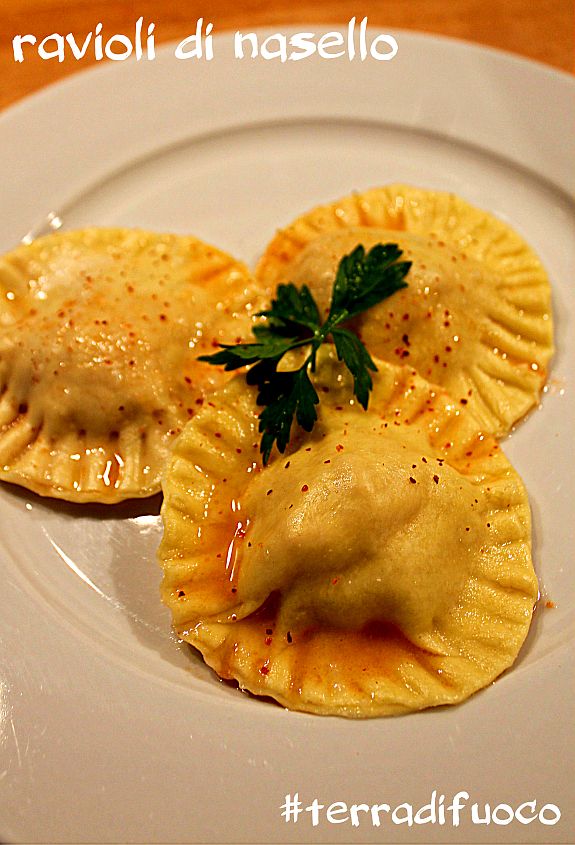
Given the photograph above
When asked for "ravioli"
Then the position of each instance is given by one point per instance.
(476, 315)
(382, 565)
(101, 329)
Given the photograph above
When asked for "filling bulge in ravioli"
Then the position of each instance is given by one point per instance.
(381, 565)
(98, 355)
(475, 316)
(372, 537)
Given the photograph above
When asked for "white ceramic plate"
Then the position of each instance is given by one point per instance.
(109, 730)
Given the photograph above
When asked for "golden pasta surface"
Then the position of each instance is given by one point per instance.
(101, 329)
(382, 565)
(476, 315)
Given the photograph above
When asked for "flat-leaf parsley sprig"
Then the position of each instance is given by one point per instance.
(293, 321)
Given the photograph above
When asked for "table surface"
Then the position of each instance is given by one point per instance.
(537, 29)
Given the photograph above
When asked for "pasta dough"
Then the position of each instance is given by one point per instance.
(476, 314)
(381, 565)
(101, 329)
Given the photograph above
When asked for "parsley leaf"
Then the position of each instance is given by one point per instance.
(357, 359)
(293, 307)
(284, 395)
(293, 320)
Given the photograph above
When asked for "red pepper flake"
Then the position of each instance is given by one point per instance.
(327, 462)
(339, 448)
(436, 359)
(181, 594)
(238, 450)
(234, 589)
(269, 631)
(308, 449)
(412, 479)
(424, 460)
(163, 317)
(305, 488)
(269, 492)
(334, 580)
(550, 604)
(448, 445)
(405, 317)
(287, 465)
(401, 352)
(268, 641)
(436, 478)
(448, 348)
(489, 525)
(468, 529)
(264, 670)
(405, 339)
(217, 434)
(215, 343)
(463, 401)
